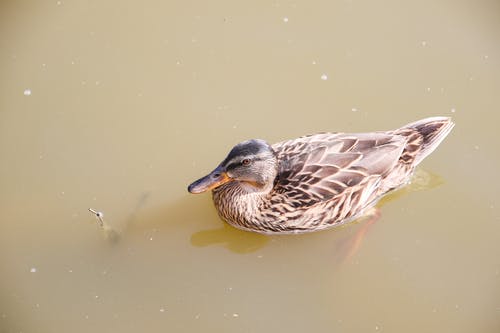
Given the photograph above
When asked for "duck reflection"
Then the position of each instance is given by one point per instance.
(233, 239)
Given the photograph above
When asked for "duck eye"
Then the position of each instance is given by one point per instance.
(245, 162)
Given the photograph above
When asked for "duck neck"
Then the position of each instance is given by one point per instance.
(238, 203)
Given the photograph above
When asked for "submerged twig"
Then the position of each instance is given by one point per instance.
(99, 216)
(110, 234)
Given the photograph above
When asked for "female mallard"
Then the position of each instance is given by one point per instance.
(316, 181)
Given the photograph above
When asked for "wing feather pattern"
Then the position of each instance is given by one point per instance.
(317, 168)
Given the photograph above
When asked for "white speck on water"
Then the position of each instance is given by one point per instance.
(314, 62)
(86, 316)
(486, 56)
(260, 256)
(178, 63)
(62, 193)
(434, 310)
(162, 310)
(354, 110)
(428, 89)
(70, 271)
(33, 270)
(58, 3)
(150, 238)
(324, 77)
(453, 110)
(72, 62)
(476, 147)
(457, 306)
(423, 43)
(27, 92)
(197, 316)
(377, 328)
(285, 19)
(235, 315)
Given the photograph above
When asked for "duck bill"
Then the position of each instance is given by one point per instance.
(214, 179)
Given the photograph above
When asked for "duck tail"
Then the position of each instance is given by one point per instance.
(432, 131)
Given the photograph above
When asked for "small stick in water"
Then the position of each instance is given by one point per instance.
(110, 234)
(99, 216)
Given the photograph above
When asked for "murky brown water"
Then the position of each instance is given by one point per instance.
(119, 105)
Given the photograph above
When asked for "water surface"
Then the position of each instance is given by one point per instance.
(118, 106)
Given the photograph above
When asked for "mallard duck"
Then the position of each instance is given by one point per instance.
(316, 181)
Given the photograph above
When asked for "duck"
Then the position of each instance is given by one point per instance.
(316, 181)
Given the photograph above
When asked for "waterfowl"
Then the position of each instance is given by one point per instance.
(316, 181)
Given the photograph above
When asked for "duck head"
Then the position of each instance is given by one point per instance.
(251, 164)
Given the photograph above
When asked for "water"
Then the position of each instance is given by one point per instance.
(118, 106)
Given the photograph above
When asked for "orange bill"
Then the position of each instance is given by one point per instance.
(215, 179)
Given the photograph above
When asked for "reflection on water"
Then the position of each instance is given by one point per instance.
(233, 239)
(117, 106)
(421, 180)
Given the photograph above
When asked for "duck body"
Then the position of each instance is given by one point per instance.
(316, 181)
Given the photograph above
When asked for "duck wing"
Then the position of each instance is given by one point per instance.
(318, 168)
